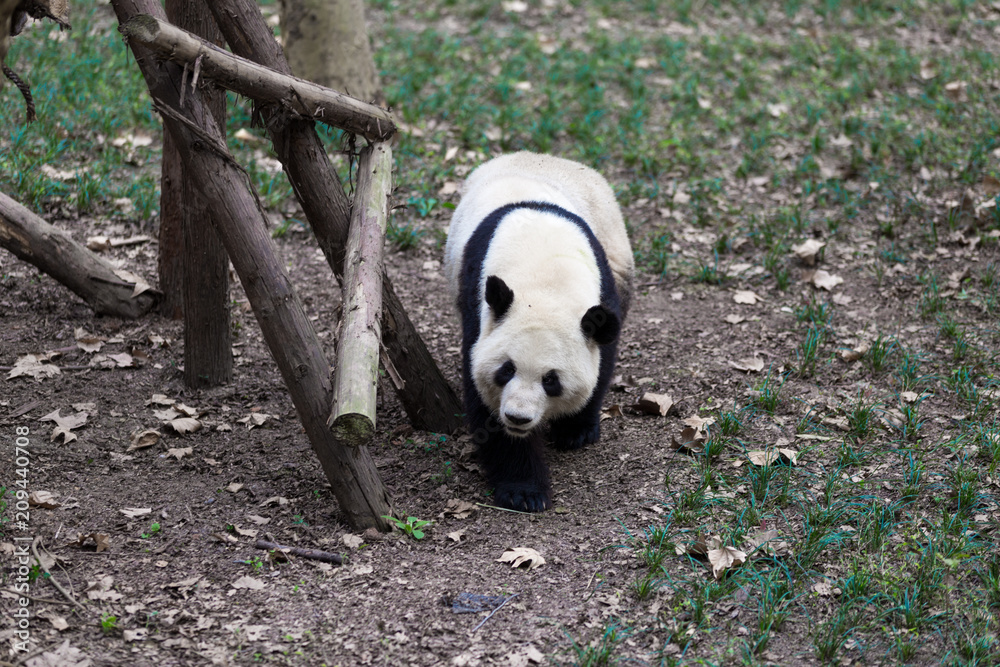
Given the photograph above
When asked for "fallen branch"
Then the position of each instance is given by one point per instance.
(314, 554)
(261, 83)
(55, 252)
(51, 579)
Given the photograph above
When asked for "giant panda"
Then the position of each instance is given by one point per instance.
(539, 262)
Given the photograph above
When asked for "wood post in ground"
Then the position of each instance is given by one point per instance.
(208, 355)
(55, 252)
(430, 402)
(240, 222)
(355, 380)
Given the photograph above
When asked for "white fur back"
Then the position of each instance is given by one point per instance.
(524, 176)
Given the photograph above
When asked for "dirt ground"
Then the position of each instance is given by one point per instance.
(176, 595)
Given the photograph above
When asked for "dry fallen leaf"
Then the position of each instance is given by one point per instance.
(694, 421)
(248, 583)
(254, 420)
(101, 540)
(31, 365)
(43, 499)
(733, 318)
(460, 509)
(519, 556)
(457, 535)
(823, 588)
(824, 280)
(855, 353)
(613, 412)
(655, 404)
(724, 558)
(692, 440)
(772, 456)
(766, 543)
(180, 452)
(746, 297)
(183, 425)
(64, 425)
(808, 251)
(129, 277)
(749, 365)
(234, 487)
(352, 541)
(135, 512)
(144, 439)
(88, 342)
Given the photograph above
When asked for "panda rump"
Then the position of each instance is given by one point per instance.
(539, 261)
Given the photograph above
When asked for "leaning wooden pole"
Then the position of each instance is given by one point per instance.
(430, 402)
(241, 225)
(355, 380)
(261, 83)
(55, 252)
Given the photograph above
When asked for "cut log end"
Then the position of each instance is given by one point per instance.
(352, 429)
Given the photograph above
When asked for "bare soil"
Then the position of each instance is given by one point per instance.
(171, 592)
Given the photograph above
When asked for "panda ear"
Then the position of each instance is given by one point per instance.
(601, 325)
(498, 296)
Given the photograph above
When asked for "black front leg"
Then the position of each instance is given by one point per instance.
(514, 466)
(575, 431)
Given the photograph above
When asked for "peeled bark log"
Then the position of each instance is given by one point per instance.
(55, 252)
(261, 83)
(355, 381)
(287, 330)
(430, 402)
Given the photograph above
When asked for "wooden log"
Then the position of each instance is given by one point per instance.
(55, 252)
(430, 402)
(261, 83)
(240, 222)
(355, 380)
(208, 345)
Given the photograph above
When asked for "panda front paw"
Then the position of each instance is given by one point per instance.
(522, 496)
(573, 434)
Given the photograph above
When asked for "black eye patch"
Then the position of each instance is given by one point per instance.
(551, 384)
(505, 373)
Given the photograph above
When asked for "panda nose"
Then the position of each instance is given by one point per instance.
(517, 420)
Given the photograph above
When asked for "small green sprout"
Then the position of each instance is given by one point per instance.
(411, 527)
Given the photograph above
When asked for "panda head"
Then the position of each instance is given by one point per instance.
(538, 361)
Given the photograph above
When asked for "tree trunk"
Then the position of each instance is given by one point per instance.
(55, 252)
(326, 41)
(208, 356)
(287, 330)
(430, 402)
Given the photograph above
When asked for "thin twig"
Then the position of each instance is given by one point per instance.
(502, 509)
(52, 580)
(495, 611)
(314, 554)
(36, 599)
